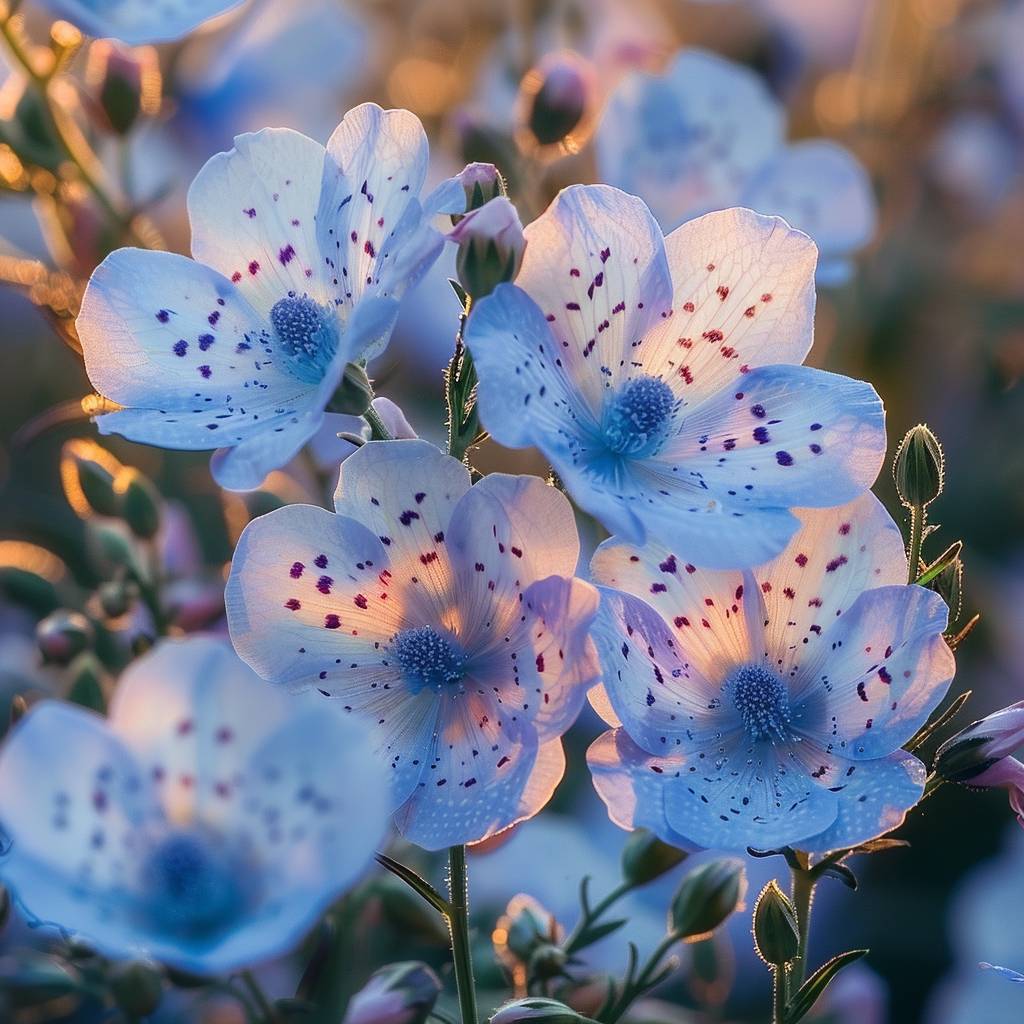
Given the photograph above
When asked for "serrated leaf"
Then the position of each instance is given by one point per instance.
(815, 985)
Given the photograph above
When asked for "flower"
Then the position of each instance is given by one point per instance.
(140, 21)
(651, 373)
(707, 135)
(207, 824)
(301, 255)
(765, 708)
(402, 993)
(446, 616)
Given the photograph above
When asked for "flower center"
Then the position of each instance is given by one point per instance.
(638, 418)
(762, 700)
(192, 883)
(428, 658)
(305, 335)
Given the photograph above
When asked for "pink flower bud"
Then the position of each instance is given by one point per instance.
(491, 246)
(974, 751)
(482, 183)
(402, 993)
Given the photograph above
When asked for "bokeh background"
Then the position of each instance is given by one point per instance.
(929, 94)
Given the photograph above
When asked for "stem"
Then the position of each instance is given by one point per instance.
(917, 516)
(459, 383)
(458, 926)
(252, 986)
(779, 995)
(378, 429)
(803, 897)
(644, 981)
(572, 943)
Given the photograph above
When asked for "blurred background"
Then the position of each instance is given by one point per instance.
(927, 94)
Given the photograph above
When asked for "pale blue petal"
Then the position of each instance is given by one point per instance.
(448, 197)
(821, 188)
(140, 22)
(177, 344)
(874, 797)
(689, 141)
(311, 603)
(595, 265)
(253, 212)
(882, 669)
(470, 792)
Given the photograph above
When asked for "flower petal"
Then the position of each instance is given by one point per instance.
(821, 188)
(883, 668)
(406, 492)
(253, 216)
(507, 779)
(192, 711)
(176, 343)
(834, 556)
(743, 297)
(136, 23)
(689, 140)
(874, 797)
(595, 265)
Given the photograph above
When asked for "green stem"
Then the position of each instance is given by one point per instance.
(644, 981)
(460, 381)
(779, 995)
(378, 429)
(572, 943)
(458, 926)
(917, 515)
(803, 897)
(252, 986)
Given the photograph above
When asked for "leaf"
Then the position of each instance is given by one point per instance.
(597, 932)
(816, 984)
(415, 882)
(785, 851)
(460, 292)
(840, 872)
(946, 559)
(955, 641)
(878, 845)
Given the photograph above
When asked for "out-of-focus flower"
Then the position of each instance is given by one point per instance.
(402, 993)
(652, 374)
(447, 616)
(980, 755)
(196, 826)
(140, 21)
(301, 255)
(536, 1010)
(768, 707)
(491, 246)
(707, 135)
(122, 84)
(557, 104)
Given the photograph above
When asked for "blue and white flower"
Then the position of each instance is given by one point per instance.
(140, 21)
(768, 707)
(658, 376)
(708, 135)
(445, 616)
(207, 824)
(301, 255)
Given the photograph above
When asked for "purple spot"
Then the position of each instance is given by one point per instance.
(758, 411)
(206, 372)
(180, 347)
(296, 570)
(320, 561)
(205, 341)
(286, 255)
(784, 458)
(163, 316)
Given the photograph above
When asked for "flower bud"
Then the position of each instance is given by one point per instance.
(87, 474)
(122, 83)
(481, 183)
(115, 597)
(973, 751)
(491, 247)
(548, 1011)
(137, 987)
(776, 932)
(63, 635)
(645, 857)
(918, 467)
(524, 927)
(547, 961)
(556, 103)
(402, 993)
(706, 897)
(140, 503)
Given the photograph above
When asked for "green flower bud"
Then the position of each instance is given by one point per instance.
(481, 183)
(137, 987)
(918, 467)
(115, 597)
(63, 635)
(491, 246)
(706, 897)
(645, 857)
(536, 1009)
(87, 474)
(776, 932)
(547, 961)
(524, 926)
(140, 503)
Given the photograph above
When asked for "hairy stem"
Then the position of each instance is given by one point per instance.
(803, 897)
(458, 926)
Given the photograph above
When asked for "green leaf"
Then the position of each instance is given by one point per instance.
(841, 873)
(460, 292)
(879, 845)
(416, 882)
(597, 932)
(816, 984)
(946, 559)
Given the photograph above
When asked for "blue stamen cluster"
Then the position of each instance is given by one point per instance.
(638, 418)
(762, 701)
(428, 658)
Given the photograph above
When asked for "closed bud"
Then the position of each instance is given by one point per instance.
(972, 752)
(63, 635)
(29, 129)
(123, 83)
(547, 961)
(645, 857)
(481, 183)
(491, 246)
(918, 467)
(87, 474)
(137, 987)
(140, 503)
(522, 929)
(535, 1009)
(115, 597)
(402, 993)
(354, 394)
(557, 102)
(706, 897)
(776, 932)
